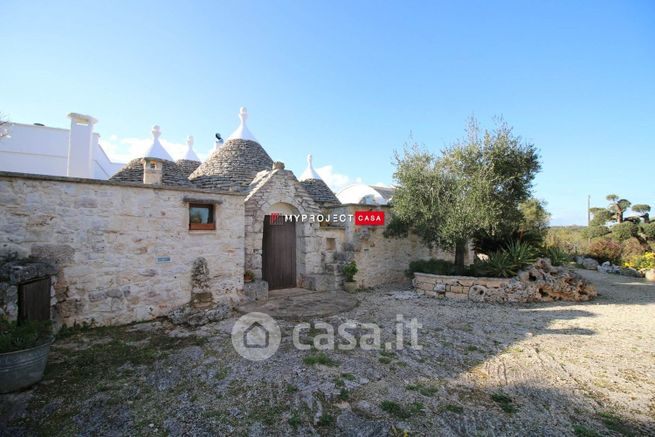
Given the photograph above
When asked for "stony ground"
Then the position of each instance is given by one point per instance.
(581, 369)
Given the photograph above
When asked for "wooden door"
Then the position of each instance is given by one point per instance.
(34, 300)
(279, 253)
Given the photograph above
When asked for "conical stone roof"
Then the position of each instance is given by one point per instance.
(232, 167)
(235, 164)
(133, 173)
(316, 187)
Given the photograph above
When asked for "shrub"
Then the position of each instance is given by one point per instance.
(433, 266)
(605, 249)
(349, 271)
(646, 261)
(556, 256)
(623, 231)
(648, 229)
(632, 247)
(596, 231)
(26, 335)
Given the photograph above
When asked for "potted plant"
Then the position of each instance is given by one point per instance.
(248, 276)
(349, 271)
(24, 351)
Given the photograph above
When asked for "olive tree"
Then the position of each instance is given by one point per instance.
(473, 186)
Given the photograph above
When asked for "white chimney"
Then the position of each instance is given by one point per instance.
(80, 151)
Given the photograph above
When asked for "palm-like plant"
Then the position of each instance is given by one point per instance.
(521, 254)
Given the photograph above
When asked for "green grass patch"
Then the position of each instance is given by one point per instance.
(453, 408)
(385, 360)
(348, 376)
(617, 424)
(504, 402)
(326, 420)
(294, 421)
(344, 394)
(320, 358)
(402, 411)
(583, 431)
(422, 389)
(291, 388)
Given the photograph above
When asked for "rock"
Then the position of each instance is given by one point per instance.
(187, 315)
(608, 267)
(650, 274)
(628, 271)
(352, 425)
(367, 409)
(590, 264)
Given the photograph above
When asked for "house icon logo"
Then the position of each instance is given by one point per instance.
(256, 336)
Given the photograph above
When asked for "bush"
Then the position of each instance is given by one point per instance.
(646, 261)
(349, 271)
(433, 266)
(596, 231)
(648, 229)
(26, 335)
(605, 249)
(632, 247)
(624, 231)
(556, 256)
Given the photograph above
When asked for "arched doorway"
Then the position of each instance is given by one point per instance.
(279, 252)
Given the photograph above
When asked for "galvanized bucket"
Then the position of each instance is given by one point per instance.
(21, 369)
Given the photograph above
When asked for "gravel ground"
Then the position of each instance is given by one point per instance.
(484, 370)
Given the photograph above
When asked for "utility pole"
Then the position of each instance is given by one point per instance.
(588, 210)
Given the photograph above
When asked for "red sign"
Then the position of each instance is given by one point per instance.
(369, 218)
(273, 218)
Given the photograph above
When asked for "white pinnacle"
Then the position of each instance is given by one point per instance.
(309, 172)
(190, 154)
(156, 150)
(242, 132)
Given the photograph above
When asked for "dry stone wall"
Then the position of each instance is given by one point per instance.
(541, 282)
(123, 252)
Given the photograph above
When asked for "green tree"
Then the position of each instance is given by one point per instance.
(642, 211)
(474, 186)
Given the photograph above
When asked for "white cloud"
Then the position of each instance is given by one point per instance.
(336, 181)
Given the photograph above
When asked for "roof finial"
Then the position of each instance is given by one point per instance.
(190, 155)
(242, 132)
(156, 150)
(309, 172)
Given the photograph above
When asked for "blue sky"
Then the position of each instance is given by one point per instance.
(349, 81)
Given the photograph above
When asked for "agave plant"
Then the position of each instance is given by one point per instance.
(556, 256)
(521, 254)
(500, 264)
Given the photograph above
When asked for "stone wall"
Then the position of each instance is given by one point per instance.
(123, 252)
(381, 260)
(540, 282)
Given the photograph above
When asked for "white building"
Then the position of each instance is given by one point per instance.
(38, 149)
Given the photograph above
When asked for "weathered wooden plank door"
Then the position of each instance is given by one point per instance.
(279, 253)
(34, 300)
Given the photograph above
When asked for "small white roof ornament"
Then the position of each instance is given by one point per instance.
(242, 132)
(309, 172)
(190, 155)
(156, 150)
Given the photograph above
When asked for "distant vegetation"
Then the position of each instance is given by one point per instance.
(620, 232)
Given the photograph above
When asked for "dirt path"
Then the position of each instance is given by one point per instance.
(484, 370)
